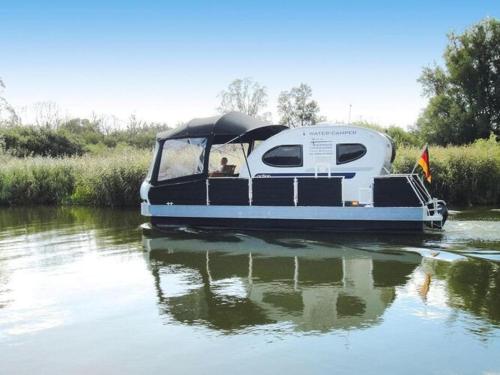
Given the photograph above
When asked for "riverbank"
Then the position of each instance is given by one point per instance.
(110, 179)
(462, 175)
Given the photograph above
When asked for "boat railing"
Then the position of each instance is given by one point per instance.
(416, 189)
(422, 193)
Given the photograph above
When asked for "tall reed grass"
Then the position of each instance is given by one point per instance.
(463, 176)
(111, 179)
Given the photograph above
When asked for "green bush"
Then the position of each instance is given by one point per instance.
(461, 175)
(22, 141)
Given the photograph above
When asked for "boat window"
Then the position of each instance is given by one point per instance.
(347, 152)
(235, 159)
(181, 157)
(284, 156)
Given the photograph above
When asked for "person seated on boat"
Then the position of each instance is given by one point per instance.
(224, 169)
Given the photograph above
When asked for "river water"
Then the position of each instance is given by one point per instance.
(88, 291)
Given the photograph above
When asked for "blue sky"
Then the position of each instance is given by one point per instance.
(167, 61)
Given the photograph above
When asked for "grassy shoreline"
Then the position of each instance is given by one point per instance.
(109, 180)
(462, 175)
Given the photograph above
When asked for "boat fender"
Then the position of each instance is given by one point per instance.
(443, 211)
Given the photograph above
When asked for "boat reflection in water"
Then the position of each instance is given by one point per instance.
(231, 282)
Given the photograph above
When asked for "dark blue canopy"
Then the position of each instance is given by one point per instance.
(224, 128)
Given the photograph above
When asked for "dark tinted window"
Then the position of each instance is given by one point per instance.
(347, 152)
(284, 156)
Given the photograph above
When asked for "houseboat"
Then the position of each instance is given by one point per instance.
(234, 171)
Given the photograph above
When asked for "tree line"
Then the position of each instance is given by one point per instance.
(464, 105)
(75, 137)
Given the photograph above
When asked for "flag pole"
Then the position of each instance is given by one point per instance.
(420, 155)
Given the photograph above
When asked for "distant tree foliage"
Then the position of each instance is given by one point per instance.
(22, 141)
(47, 114)
(244, 95)
(400, 136)
(7, 112)
(403, 137)
(464, 94)
(139, 134)
(297, 108)
(75, 137)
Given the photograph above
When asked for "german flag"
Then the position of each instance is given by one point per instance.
(424, 163)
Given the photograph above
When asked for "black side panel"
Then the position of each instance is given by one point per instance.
(228, 191)
(188, 192)
(272, 191)
(319, 191)
(394, 192)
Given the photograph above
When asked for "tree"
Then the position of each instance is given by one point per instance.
(296, 108)
(244, 95)
(402, 137)
(83, 130)
(7, 113)
(464, 96)
(47, 114)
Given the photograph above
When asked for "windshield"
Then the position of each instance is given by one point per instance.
(181, 157)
